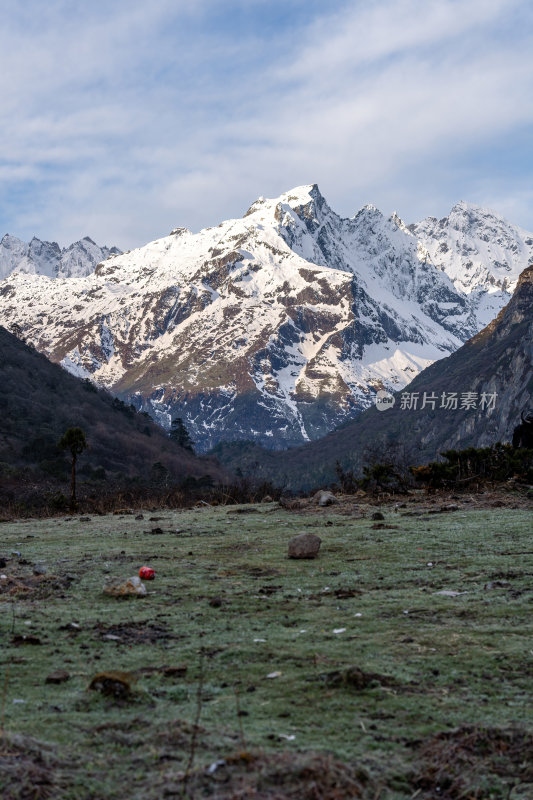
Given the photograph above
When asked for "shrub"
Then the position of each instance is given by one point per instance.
(382, 478)
(347, 481)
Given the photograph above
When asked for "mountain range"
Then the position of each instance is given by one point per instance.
(279, 326)
(48, 259)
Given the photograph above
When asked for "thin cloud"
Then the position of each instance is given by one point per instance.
(123, 121)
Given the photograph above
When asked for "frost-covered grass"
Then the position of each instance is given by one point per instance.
(429, 662)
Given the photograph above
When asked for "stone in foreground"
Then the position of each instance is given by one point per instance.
(324, 498)
(132, 587)
(305, 545)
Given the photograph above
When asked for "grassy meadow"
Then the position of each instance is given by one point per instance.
(251, 675)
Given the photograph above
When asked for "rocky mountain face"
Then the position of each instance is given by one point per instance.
(275, 327)
(47, 258)
(472, 398)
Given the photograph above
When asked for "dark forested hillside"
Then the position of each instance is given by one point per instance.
(39, 401)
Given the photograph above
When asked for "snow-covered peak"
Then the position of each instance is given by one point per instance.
(398, 222)
(302, 196)
(81, 257)
(47, 258)
(41, 258)
(12, 251)
(468, 217)
(306, 202)
(369, 218)
(476, 247)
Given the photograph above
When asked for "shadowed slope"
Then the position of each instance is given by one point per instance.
(40, 400)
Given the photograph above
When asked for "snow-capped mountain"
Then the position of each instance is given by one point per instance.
(274, 327)
(480, 251)
(47, 258)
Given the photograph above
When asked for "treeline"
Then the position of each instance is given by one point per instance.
(466, 468)
(481, 465)
(29, 500)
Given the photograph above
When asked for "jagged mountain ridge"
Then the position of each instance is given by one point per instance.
(47, 258)
(480, 251)
(477, 248)
(274, 327)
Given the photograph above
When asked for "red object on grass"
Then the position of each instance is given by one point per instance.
(146, 573)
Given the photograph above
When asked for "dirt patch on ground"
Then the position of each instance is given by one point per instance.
(253, 572)
(244, 510)
(34, 587)
(279, 776)
(474, 762)
(179, 733)
(357, 679)
(28, 769)
(142, 632)
(467, 762)
(237, 547)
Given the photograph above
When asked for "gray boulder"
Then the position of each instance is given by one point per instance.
(324, 498)
(305, 545)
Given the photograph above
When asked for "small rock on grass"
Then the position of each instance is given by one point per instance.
(131, 587)
(113, 683)
(306, 545)
(496, 585)
(60, 676)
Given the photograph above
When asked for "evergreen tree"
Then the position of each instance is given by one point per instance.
(180, 434)
(73, 440)
(159, 475)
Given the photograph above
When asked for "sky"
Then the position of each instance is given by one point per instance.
(123, 119)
